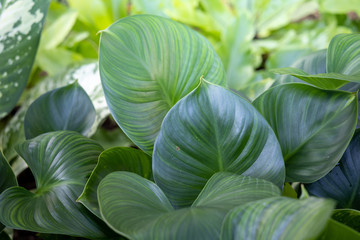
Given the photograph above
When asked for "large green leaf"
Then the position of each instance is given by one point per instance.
(343, 182)
(277, 218)
(349, 217)
(313, 127)
(7, 178)
(21, 23)
(66, 108)
(60, 163)
(138, 209)
(111, 160)
(213, 130)
(147, 64)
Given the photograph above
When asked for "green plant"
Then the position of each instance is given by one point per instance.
(211, 164)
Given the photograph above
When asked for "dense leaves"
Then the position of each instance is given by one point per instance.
(21, 23)
(60, 163)
(138, 209)
(66, 108)
(314, 134)
(213, 130)
(147, 64)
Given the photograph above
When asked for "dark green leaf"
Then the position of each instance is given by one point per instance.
(20, 28)
(289, 191)
(313, 127)
(335, 230)
(147, 64)
(137, 208)
(213, 130)
(277, 218)
(4, 236)
(66, 108)
(349, 217)
(60, 163)
(111, 160)
(343, 182)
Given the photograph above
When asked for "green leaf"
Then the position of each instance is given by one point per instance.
(4, 236)
(329, 81)
(343, 182)
(337, 231)
(277, 218)
(21, 23)
(66, 108)
(314, 134)
(289, 191)
(147, 64)
(349, 217)
(7, 178)
(213, 130)
(138, 209)
(60, 163)
(343, 55)
(111, 160)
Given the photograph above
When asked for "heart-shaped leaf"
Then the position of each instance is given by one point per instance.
(60, 163)
(21, 23)
(343, 182)
(213, 130)
(7, 178)
(111, 160)
(138, 209)
(147, 64)
(66, 108)
(313, 127)
(277, 218)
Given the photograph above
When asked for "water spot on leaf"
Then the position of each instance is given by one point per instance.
(177, 148)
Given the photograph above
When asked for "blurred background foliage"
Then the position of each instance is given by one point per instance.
(250, 36)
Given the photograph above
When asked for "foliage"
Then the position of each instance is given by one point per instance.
(203, 141)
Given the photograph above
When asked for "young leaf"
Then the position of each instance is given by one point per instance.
(21, 23)
(213, 130)
(343, 182)
(277, 218)
(66, 108)
(147, 64)
(111, 160)
(138, 209)
(60, 163)
(313, 127)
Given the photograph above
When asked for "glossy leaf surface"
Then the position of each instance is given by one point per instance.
(138, 209)
(111, 160)
(21, 23)
(147, 64)
(343, 182)
(66, 108)
(213, 130)
(60, 163)
(313, 134)
(277, 218)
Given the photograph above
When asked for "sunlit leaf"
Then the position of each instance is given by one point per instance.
(147, 64)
